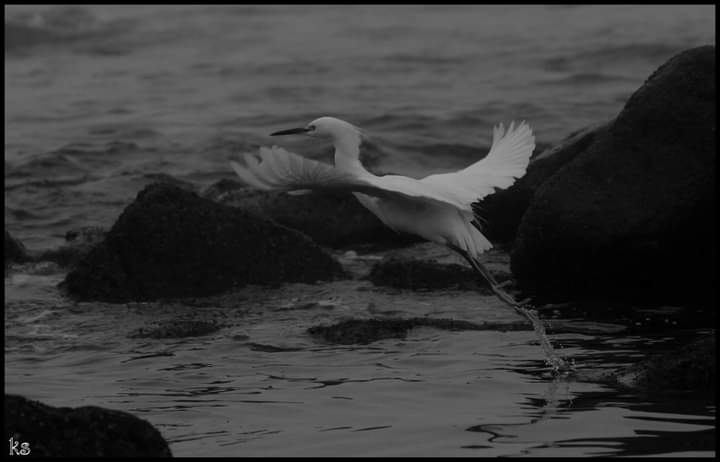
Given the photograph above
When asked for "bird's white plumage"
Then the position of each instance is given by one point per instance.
(437, 207)
(507, 160)
(283, 170)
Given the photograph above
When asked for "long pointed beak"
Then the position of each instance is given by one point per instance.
(292, 131)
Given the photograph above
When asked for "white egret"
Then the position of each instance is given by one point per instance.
(438, 208)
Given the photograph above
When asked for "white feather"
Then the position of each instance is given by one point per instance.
(437, 207)
(507, 160)
(283, 170)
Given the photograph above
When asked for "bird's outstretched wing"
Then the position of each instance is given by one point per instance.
(507, 160)
(278, 169)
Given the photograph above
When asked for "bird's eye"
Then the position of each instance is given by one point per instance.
(311, 127)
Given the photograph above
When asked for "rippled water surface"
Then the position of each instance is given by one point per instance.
(102, 100)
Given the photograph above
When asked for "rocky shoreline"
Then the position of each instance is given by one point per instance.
(620, 211)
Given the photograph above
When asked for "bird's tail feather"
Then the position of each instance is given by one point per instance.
(478, 220)
(474, 240)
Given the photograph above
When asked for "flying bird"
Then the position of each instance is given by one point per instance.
(438, 208)
(441, 208)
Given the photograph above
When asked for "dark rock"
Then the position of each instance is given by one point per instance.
(502, 211)
(334, 219)
(177, 329)
(424, 275)
(87, 431)
(272, 348)
(691, 368)
(632, 215)
(15, 251)
(364, 331)
(171, 243)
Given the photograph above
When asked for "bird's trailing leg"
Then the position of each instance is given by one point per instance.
(557, 363)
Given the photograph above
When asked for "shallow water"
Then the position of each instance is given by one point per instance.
(260, 385)
(102, 100)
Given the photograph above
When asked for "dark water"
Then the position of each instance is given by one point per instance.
(100, 101)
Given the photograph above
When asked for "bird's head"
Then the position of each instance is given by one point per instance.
(324, 127)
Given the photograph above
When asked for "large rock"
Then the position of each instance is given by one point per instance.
(87, 431)
(633, 214)
(171, 243)
(334, 219)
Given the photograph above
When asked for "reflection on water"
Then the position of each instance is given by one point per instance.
(261, 386)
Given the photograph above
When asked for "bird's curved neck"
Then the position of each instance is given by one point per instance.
(347, 153)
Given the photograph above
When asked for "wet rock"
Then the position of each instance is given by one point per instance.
(171, 243)
(177, 329)
(15, 251)
(691, 368)
(334, 219)
(364, 331)
(87, 431)
(503, 210)
(424, 275)
(632, 215)
(430, 266)
(79, 242)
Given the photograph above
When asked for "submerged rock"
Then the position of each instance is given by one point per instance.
(632, 215)
(171, 243)
(334, 219)
(363, 331)
(15, 251)
(691, 368)
(87, 431)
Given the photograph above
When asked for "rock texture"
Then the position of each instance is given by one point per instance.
(171, 243)
(425, 275)
(334, 219)
(87, 431)
(364, 331)
(632, 215)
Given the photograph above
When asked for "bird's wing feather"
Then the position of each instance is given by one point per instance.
(279, 169)
(507, 160)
